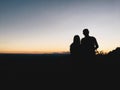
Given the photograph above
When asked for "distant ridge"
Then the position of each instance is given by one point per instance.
(115, 52)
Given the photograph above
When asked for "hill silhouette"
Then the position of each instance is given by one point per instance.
(114, 56)
(115, 52)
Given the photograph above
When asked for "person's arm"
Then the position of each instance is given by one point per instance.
(71, 49)
(96, 44)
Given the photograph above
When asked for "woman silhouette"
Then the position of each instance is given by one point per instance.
(75, 46)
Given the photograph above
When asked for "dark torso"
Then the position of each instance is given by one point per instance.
(88, 43)
(75, 49)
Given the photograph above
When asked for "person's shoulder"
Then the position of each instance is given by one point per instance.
(92, 37)
(72, 45)
(82, 39)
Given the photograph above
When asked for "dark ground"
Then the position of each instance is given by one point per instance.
(16, 66)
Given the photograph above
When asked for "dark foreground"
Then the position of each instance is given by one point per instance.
(15, 65)
(51, 62)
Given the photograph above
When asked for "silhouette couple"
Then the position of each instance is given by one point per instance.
(85, 48)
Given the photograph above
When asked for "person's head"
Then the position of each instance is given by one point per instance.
(86, 32)
(76, 39)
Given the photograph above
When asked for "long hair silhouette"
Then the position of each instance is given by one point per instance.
(75, 46)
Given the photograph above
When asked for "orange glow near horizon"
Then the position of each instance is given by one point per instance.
(42, 52)
(35, 51)
(32, 52)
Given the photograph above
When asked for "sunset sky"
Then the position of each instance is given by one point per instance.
(47, 26)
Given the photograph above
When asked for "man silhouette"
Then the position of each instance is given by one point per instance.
(89, 44)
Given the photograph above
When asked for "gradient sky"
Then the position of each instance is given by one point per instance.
(43, 26)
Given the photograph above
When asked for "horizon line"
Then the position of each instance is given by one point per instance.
(47, 52)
